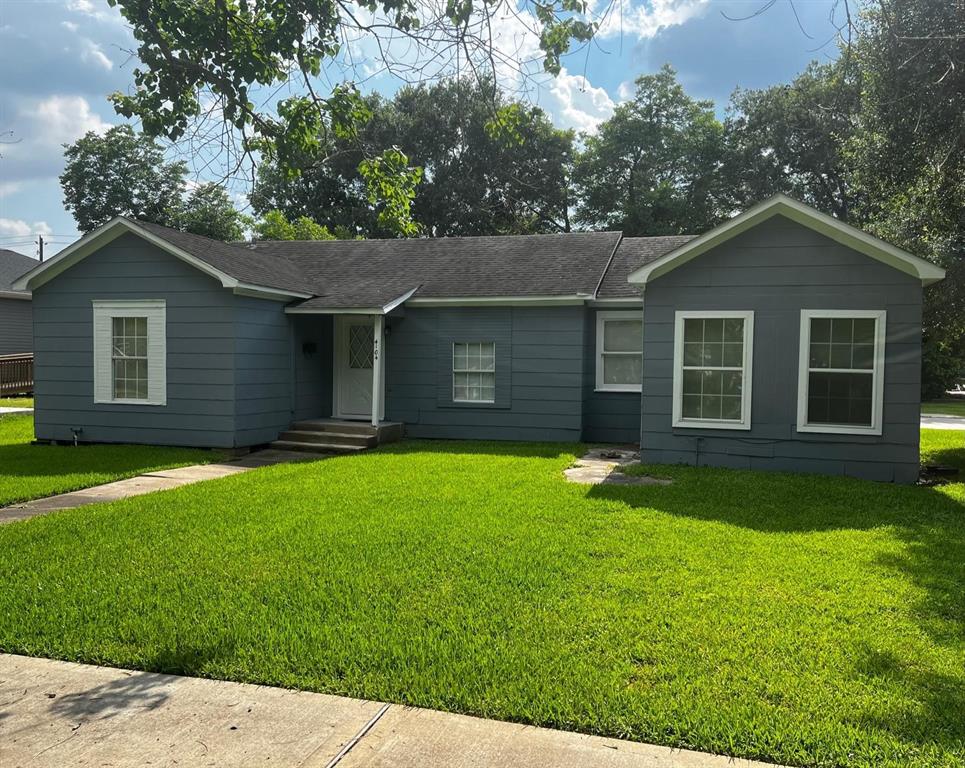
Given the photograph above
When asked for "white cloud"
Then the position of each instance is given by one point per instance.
(69, 26)
(63, 119)
(20, 228)
(626, 90)
(644, 20)
(8, 188)
(576, 103)
(91, 53)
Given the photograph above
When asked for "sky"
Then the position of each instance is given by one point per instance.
(59, 59)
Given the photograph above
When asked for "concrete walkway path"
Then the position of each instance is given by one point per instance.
(149, 482)
(936, 421)
(56, 714)
(5, 410)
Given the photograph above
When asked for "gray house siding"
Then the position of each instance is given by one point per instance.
(16, 326)
(202, 323)
(312, 358)
(608, 417)
(263, 370)
(539, 373)
(777, 269)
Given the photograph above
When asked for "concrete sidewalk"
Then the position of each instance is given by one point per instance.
(57, 714)
(149, 482)
(5, 410)
(937, 421)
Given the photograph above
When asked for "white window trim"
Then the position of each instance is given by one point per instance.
(748, 370)
(601, 319)
(155, 310)
(878, 375)
(454, 372)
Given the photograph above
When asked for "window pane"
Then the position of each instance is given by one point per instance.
(840, 398)
(713, 382)
(693, 329)
(622, 369)
(863, 356)
(693, 353)
(691, 407)
(841, 330)
(731, 407)
(713, 354)
(691, 382)
(622, 335)
(710, 406)
(734, 329)
(864, 330)
(840, 355)
(820, 356)
(733, 382)
(733, 355)
(459, 357)
(713, 329)
(820, 330)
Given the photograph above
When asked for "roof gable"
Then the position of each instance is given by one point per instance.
(12, 266)
(781, 205)
(231, 265)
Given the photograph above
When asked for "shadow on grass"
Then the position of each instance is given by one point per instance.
(930, 522)
(27, 460)
(484, 448)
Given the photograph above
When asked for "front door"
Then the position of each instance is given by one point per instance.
(353, 367)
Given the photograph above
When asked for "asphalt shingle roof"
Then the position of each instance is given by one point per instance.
(633, 253)
(241, 263)
(12, 266)
(343, 274)
(369, 273)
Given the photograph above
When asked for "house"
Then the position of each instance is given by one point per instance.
(16, 326)
(782, 339)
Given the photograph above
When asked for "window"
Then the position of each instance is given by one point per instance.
(130, 352)
(841, 378)
(619, 351)
(474, 372)
(129, 358)
(712, 369)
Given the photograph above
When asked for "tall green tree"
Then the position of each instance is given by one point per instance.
(198, 55)
(208, 211)
(120, 173)
(654, 167)
(909, 156)
(490, 166)
(793, 139)
(274, 225)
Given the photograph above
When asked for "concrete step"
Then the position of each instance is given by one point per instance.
(332, 425)
(333, 448)
(334, 438)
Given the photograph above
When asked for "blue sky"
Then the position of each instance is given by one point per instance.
(60, 59)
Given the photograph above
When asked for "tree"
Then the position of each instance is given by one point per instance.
(654, 167)
(275, 226)
(491, 165)
(212, 58)
(209, 211)
(792, 139)
(119, 173)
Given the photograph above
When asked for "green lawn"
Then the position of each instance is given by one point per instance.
(16, 402)
(32, 471)
(949, 407)
(806, 620)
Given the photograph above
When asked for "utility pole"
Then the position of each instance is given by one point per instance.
(40, 244)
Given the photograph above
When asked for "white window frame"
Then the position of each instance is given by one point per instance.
(878, 372)
(601, 319)
(747, 369)
(104, 312)
(461, 370)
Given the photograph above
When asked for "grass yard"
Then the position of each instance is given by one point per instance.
(806, 620)
(947, 407)
(32, 471)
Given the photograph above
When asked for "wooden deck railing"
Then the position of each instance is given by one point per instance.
(16, 374)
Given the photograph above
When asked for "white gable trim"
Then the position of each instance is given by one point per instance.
(782, 205)
(106, 233)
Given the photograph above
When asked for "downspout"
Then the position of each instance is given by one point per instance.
(643, 361)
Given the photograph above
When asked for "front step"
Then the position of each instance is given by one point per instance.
(333, 436)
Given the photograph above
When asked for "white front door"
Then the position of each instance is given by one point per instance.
(354, 344)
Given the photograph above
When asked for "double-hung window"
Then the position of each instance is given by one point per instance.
(619, 351)
(712, 369)
(841, 377)
(130, 356)
(474, 372)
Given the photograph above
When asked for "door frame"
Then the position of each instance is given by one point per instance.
(339, 360)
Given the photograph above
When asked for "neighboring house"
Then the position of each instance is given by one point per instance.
(16, 331)
(782, 339)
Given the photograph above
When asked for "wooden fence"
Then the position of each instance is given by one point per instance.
(16, 374)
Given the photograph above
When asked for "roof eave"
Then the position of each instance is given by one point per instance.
(836, 230)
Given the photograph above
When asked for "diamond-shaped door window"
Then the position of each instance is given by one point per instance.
(360, 346)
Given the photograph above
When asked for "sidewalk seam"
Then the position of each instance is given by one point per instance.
(358, 737)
